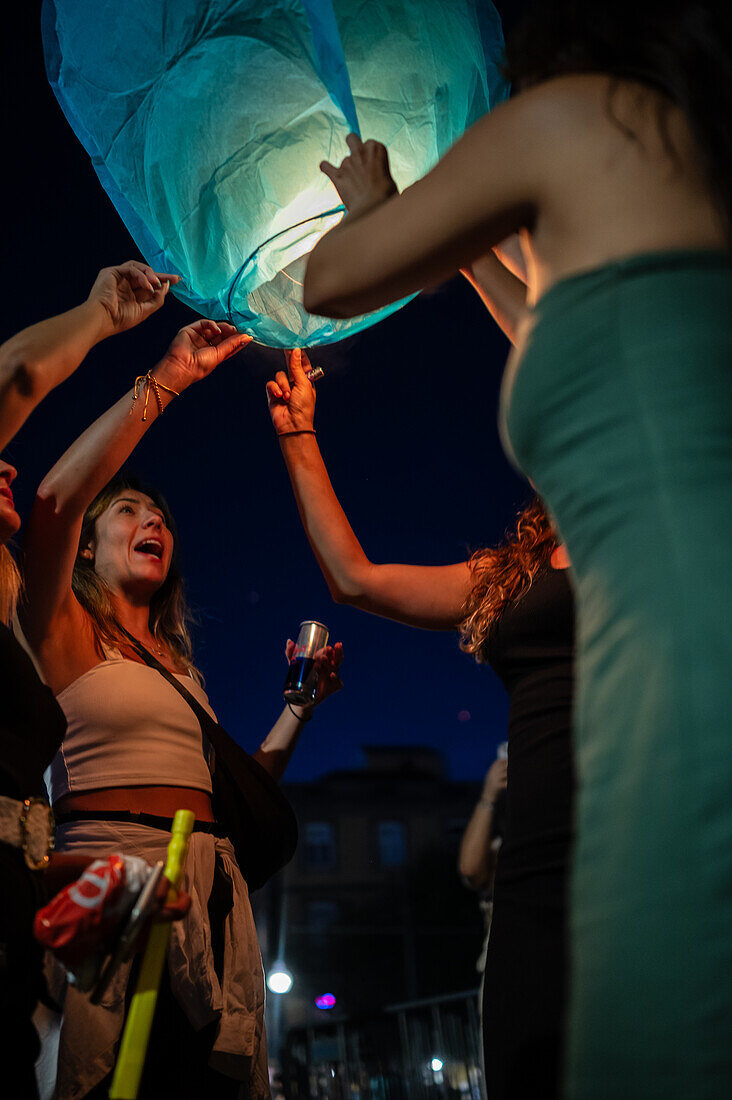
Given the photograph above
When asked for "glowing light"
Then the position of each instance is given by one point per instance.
(325, 1001)
(436, 1065)
(217, 178)
(279, 979)
(464, 716)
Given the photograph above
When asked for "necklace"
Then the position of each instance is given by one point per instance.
(159, 651)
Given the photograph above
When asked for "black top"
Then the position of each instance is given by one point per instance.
(531, 648)
(32, 724)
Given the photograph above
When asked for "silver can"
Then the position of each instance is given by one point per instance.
(301, 682)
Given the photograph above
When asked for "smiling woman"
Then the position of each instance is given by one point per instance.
(142, 518)
(106, 617)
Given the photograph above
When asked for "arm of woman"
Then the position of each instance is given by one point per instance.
(477, 858)
(42, 356)
(53, 530)
(502, 293)
(485, 188)
(278, 746)
(364, 181)
(423, 596)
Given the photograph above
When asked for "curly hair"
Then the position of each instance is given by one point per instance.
(170, 616)
(503, 574)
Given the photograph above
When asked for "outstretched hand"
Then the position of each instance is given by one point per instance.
(196, 350)
(362, 179)
(327, 661)
(130, 293)
(291, 396)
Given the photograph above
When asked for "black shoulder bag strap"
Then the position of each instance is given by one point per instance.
(246, 799)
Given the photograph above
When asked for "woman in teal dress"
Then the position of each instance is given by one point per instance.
(614, 161)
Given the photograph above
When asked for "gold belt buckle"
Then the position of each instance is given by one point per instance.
(30, 859)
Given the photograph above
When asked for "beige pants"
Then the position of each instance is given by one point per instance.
(90, 1033)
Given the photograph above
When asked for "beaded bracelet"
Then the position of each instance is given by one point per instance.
(150, 382)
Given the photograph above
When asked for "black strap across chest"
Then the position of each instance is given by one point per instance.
(246, 799)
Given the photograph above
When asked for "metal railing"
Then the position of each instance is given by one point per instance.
(419, 1050)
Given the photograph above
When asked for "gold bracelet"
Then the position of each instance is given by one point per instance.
(300, 431)
(150, 382)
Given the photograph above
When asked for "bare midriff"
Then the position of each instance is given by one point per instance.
(161, 801)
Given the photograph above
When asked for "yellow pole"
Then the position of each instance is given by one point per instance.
(133, 1048)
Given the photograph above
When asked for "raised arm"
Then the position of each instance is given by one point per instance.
(54, 527)
(42, 356)
(276, 750)
(502, 293)
(486, 187)
(430, 597)
(364, 181)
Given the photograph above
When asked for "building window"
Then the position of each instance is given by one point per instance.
(320, 847)
(322, 915)
(392, 844)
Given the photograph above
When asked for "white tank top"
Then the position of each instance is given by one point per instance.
(128, 727)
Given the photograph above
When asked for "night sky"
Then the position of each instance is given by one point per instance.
(406, 422)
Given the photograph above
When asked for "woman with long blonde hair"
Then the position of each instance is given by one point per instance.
(105, 614)
(32, 725)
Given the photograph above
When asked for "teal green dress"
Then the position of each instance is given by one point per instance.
(618, 407)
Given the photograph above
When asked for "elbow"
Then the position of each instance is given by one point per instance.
(348, 583)
(473, 879)
(470, 879)
(346, 593)
(51, 502)
(466, 869)
(19, 373)
(46, 494)
(322, 290)
(324, 303)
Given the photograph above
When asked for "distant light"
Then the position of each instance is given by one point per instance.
(325, 1000)
(436, 1065)
(464, 716)
(279, 979)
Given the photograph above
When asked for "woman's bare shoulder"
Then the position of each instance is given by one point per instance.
(534, 123)
(559, 101)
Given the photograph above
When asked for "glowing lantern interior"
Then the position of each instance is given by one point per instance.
(206, 121)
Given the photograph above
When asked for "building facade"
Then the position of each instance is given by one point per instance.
(371, 910)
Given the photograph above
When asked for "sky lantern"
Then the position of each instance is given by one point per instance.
(206, 121)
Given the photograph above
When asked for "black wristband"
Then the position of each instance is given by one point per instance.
(299, 717)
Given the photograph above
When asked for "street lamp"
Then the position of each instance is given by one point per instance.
(279, 979)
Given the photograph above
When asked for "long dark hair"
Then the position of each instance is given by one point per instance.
(684, 49)
(169, 614)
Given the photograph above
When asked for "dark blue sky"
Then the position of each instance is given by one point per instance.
(406, 421)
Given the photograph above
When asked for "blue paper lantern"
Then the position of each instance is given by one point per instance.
(206, 121)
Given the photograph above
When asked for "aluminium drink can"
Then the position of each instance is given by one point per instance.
(301, 682)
